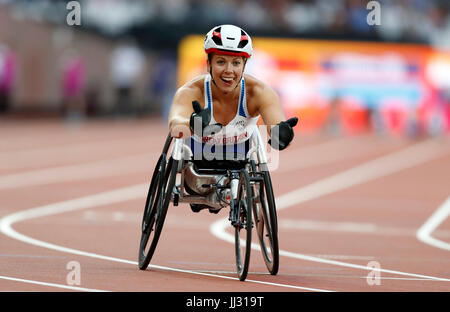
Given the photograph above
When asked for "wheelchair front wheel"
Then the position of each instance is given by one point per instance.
(265, 216)
(156, 206)
(243, 227)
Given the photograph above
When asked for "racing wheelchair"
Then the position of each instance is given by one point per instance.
(245, 190)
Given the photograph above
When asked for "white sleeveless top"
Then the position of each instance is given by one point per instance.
(232, 139)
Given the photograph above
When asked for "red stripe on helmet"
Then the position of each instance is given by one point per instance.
(225, 52)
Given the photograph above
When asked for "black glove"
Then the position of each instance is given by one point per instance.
(282, 134)
(203, 118)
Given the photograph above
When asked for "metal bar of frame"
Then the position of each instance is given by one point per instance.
(181, 152)
(258, 148)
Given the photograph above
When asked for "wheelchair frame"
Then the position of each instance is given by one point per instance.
(249, 191)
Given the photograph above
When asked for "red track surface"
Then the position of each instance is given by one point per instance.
(330, 230)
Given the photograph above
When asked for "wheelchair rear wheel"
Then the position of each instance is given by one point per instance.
(243, 227)
(265, 215)
(157, 203)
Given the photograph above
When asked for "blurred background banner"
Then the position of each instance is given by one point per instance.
(400, 84)
(331, 67)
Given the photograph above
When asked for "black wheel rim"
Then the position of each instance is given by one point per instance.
(243, 228)
(264, 211)
(156, 209)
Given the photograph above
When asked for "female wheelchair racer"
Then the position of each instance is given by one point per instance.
(203, 114)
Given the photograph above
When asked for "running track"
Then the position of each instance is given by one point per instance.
(356, 214)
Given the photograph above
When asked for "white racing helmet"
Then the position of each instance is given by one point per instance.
(229, 40)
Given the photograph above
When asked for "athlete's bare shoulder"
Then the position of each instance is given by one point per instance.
(193, 86)
(190, 91)
(254, 85)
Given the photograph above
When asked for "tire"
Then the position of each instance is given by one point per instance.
(156, 206)
(243, 228)
(265, 216)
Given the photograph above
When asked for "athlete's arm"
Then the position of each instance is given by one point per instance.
(269, 106)
(181, 110)
(270, 109)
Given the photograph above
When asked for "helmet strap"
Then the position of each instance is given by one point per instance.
(210, 73)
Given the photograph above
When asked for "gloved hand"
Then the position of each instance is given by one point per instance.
(200, 119)
(282, 134)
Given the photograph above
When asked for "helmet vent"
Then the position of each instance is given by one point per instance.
(242, 44)
(244, 40)
(216, 36)
(217, 41)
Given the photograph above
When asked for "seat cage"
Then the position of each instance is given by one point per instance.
(211, 187)
(182, 151)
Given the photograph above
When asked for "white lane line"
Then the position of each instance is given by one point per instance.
(92, 170)
(317, 225)
(181, 222)
(50, 284)
(319, 154)
(96, 169)
(409, 157)
(424, 233)
(86, 202)
(119, 195)
(348, 227)
(17, 159)
(218, 229)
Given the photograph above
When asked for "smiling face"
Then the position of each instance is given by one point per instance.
(226, 71)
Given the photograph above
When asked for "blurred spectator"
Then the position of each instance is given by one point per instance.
(252, 15)
(446, 109)
(377, 123)
(301, 17)
(127, 62)
(159, 25)
(332, 124)
(7, 74)
(343, 17)
(161, 83)
(73, 85)
(439, 118)
(172, 10)
(92, 99)
(357, 17)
